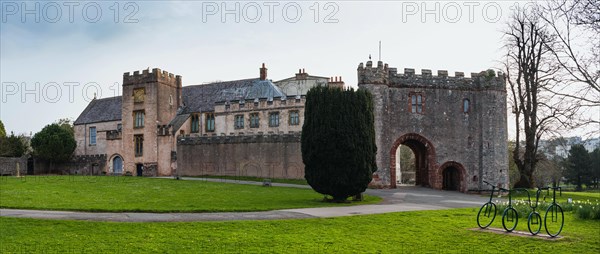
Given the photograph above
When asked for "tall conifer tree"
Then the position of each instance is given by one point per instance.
(338, 141)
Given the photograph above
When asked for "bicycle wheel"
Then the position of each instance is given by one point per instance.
(534, 223)
(486, 215)
(557, 220)
(510, 218)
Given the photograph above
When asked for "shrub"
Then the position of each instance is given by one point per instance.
(338, 141)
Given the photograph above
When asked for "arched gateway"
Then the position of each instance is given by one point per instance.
(424, 153)
(455, 148)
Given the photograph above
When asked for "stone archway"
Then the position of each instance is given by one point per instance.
(452, 176)
(424, 160)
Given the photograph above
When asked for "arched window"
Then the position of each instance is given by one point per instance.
(466, 106)
(417, 103)
(117, 165)
(195, 124)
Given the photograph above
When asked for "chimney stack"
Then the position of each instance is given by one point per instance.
(336, 82)
(301, 75)
(263, 72)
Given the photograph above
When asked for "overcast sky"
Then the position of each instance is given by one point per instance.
(56, 55)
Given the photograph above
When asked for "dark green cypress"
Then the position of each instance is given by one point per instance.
(338, 141)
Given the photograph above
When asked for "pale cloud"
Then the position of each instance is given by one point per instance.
(186, 39)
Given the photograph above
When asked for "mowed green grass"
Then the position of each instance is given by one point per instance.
(444, 231)
(137, 194)
(256, 179)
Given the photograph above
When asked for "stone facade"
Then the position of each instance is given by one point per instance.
(157, 112)
(299, 84)
(226, 114)
(8, 166)
(156, 95)
(109, 142)
(456, 126)
(266, 156)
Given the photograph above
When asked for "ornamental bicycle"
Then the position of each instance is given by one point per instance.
(510, 216)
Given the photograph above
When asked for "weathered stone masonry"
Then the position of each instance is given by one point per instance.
(268, 156)
(459, 138)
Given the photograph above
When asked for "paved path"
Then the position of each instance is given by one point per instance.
(394, 200)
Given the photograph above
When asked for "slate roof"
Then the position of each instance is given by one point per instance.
(101, 110)
(178, 121)
(203, 97)
(198, 98)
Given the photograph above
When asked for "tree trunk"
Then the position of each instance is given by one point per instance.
(526, 181)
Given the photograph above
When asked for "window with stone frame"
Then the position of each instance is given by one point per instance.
(195, 128)
(417, 103)
(254, 120)
(139, 145)
(210, 122)
(239, 122)
(138, 119)
(274, 119)
(139, 95)
(92, 136)
(294, 117)
(466, 106)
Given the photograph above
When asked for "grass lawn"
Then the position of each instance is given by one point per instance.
(256, 179)
(137, 194)
(446, 231)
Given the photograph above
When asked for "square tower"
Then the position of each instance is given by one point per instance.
(150, 100)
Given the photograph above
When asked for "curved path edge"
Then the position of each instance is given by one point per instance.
(394, 200)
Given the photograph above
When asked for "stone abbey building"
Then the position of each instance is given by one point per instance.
(138, 133)
(456, 126)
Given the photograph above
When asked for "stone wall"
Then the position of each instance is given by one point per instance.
(266, 156)
(78, 165)
(8, 166)
(443, 135)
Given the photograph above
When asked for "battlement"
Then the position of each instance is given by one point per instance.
(384, 75)
(263, 103)
(241, 139)
(149, 77)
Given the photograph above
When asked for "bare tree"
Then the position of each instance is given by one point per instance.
(575, 24)
(531, 73)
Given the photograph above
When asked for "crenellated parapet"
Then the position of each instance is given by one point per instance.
(373, 75)
(147, 76)
(259, 104)
(241, 139)
(384, 75)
